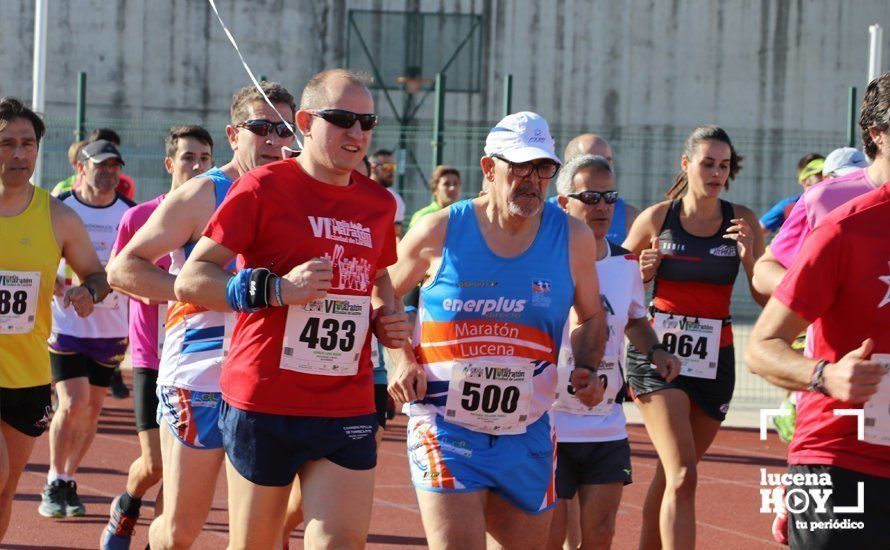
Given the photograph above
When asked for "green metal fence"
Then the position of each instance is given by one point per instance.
(646, 158)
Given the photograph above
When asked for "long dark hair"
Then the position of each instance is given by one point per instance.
(704, 133)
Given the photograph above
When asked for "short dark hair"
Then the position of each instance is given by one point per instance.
(375, 156)
(192, 131)
(875, 112)
(806, 159)
(107, 134)
(441, 171)
(248, 94)
(12, 108)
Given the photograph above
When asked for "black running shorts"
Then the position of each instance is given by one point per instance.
(712, 396)
(28, 410)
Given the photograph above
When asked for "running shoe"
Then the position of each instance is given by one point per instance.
(780, 524)
(53, 499)
(119, 531)
(73, 505)
(119, 390)
(785, 424)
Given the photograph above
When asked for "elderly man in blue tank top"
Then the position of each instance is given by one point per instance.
(500, 275)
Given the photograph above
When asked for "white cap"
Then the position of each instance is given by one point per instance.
(843, 161)
(521, 137)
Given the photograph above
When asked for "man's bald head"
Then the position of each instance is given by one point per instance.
(319, 91)
(588, 144)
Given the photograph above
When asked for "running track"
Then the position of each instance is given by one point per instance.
(727, 513)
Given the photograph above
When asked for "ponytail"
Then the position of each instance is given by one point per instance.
(681, 182)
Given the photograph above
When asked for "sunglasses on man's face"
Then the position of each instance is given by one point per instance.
(388, 166)
(594, 197)
(345, 119)
(262, 128)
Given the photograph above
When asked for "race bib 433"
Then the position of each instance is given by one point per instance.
(326, 336)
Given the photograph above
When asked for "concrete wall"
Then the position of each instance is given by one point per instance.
(774, 73)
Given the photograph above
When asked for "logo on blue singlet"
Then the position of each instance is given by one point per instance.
(541, 292)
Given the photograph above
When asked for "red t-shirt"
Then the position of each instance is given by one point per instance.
(840, 281)
(279, 217)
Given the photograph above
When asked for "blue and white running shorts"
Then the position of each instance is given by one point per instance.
(447, 458)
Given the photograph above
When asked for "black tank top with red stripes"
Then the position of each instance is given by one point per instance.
(696, 274)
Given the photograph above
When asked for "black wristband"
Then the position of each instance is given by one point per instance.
(817, 383)
(588, 367)
(655, 347)
(92, 293)
(258, 288)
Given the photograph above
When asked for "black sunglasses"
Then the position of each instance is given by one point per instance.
(593, 197)
(262, 128)
(345, 119)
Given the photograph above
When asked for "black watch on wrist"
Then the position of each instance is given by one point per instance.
(655, 347)
(817, 383)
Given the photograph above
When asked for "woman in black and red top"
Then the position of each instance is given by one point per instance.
(691, 246)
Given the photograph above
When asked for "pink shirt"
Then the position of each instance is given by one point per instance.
(815, 204)
(144, 325)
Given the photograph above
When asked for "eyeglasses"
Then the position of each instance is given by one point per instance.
(388, 166)
(262, 128)
(345, 119)
(545, 170)
(593, 197)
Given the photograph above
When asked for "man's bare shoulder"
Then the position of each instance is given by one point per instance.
(198, 190)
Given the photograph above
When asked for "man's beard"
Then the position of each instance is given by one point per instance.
(527, 207)
(106, 183)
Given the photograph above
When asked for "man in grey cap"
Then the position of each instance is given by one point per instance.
(84, 351)
(500, 274)
(843, 161)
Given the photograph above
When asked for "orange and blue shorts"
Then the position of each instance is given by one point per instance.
(192, 416)
(447, 458)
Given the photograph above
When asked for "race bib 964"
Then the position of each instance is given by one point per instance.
(695, 341)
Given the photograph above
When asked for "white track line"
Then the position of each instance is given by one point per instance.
(718, 528)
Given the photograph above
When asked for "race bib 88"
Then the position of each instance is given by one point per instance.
(18, 301)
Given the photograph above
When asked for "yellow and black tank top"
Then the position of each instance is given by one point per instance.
(29, 258)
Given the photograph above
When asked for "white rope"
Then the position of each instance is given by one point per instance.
(286, 151)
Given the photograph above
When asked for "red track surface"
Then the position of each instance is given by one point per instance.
(727, 513)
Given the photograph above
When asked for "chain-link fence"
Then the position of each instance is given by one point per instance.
(646, 160)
